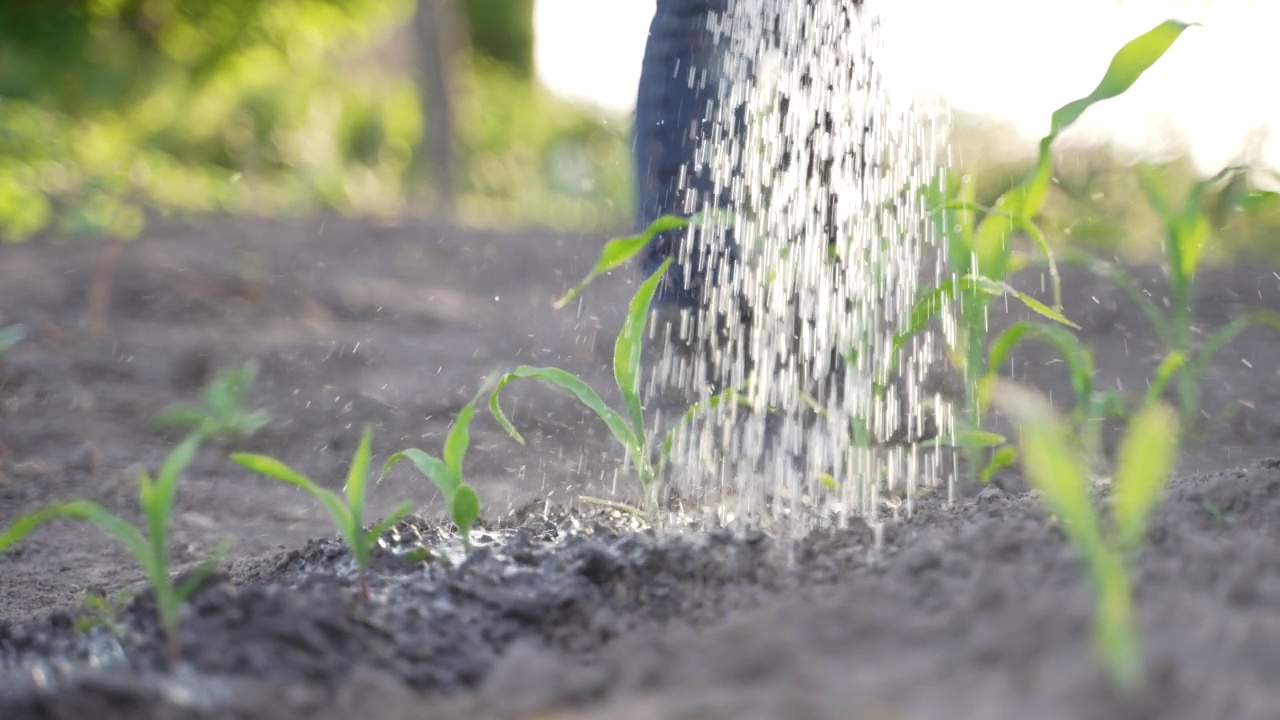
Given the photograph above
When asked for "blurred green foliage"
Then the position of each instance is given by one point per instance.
(112, 108)
(502, 30)
(1097, 204)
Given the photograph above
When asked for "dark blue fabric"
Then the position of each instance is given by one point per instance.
(675, 109)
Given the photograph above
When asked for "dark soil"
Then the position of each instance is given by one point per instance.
(976, 610)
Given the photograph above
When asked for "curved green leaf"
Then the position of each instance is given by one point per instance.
(619, 251)
(1003, 457)
(465, 510)
(277, 470)
(435, 470)
(628, 348)
(1073, 352)
(124, 533)
(996, 287)
(990, 244)
(1053, 466)
(358, 477)
(375, 531)
(157, 499)
(459, 439)
(571, 384)
(1142, 467)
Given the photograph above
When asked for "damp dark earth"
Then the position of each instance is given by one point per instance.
(971, 607)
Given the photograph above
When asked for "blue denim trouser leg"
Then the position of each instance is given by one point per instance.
(676, 110)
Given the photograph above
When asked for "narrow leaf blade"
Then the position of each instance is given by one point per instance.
(627, 350)
(619, 251)
(1143, 465)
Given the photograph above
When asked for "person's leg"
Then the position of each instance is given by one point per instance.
(676, 110)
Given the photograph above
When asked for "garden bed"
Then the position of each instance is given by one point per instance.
(979, 609)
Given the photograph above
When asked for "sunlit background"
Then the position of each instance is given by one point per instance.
(1009, 61)
(107, 119)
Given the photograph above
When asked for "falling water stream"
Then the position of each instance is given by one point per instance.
(822, 164)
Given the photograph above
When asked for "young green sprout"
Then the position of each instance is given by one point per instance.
(1053, 465)
(627, 427)
(347, 516)
(149, 548)
(1092, 407)
(446, 473)
(222, 412)
(982, 258)
(1186, 232)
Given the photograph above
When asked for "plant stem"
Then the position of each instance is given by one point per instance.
(1116, 634)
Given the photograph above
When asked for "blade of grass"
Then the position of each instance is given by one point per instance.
(458, 440)
(1026, 199)
(619, 251)
(1143, 465)
(435, 470)
(358, 477)
(628, 348)
(277, 470)
(571, 384)
(124, 533)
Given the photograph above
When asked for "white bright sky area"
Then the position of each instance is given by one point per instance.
(1013, 60)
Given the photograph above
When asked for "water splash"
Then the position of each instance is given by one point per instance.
(818, 169)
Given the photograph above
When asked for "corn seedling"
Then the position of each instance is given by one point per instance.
(9, 337)
(1053, 466)
(347, 516)
(627, 427)
(1186, 230)
(446, 472)
(221, 412)
(1092, 408)
(981, 256)
(150, 547)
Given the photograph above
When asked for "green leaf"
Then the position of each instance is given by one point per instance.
(1052, 465)
(1143, 464)
(459, 439)
(1002, 458)
(124, 533)
(1055, 278)
(379, 528)
(465, 510)
(1026, 199)
(1073, 353)
(181, 416)
(574, 386)
(996, 287)
(277, 470)
(440, 474)
(619, 251)
(157, 500)
(1128, 64)
(627, 350)
(358, 477)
